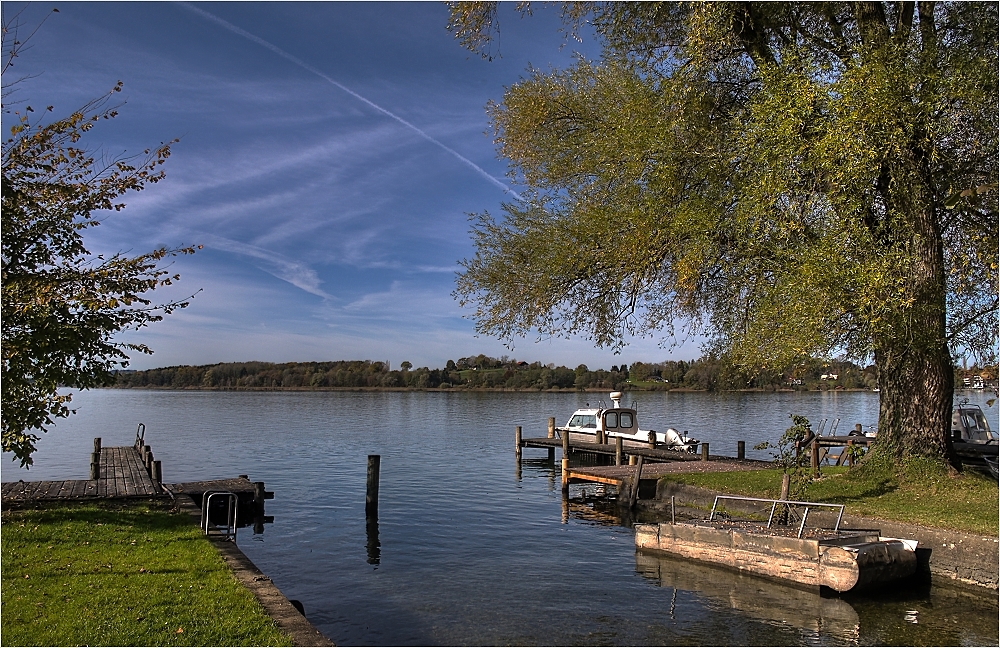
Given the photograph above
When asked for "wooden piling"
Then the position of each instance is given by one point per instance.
(652, 440)
(371, 486)
(258, 497)
(97, 444)
(814, 458)
(565, 444)
(95, 465)
(634, 493)
(704, 451)
(517, 442)
(619, 451)
(552, 435)
(148, 460)
(157, 472)
(565, 474)
(741, 449)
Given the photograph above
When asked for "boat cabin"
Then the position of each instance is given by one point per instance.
(619, 420)
(969, 424)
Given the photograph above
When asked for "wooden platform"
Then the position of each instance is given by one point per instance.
(630, 448)
(621, 476)
(122, 476)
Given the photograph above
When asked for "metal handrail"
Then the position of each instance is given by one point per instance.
(774, 505)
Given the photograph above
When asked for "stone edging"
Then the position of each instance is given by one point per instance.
(963, 557)
(289, 620)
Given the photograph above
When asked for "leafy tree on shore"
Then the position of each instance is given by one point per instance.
(788, 179)
(62, 306)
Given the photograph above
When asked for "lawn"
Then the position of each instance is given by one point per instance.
(917, 492)
(121, 575)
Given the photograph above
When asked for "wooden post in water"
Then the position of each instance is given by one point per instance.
(741, 449)
(157, 472)
(95, 465)
(258, 497)
(652, 440)
(634, 494)
(618, 451)
(552, 435)
(704, 451)
(517, 442)
(148, 460)
(371, 486)
(565, 461)
(97, 444)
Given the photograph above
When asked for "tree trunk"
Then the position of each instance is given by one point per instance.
(916, 377)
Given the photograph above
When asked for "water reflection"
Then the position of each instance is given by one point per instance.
(373, 546)
(819, 617)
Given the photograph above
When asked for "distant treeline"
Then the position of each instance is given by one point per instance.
(707, 373)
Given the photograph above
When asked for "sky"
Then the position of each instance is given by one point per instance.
(329, 157)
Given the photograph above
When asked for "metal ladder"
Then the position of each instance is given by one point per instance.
(212, 528)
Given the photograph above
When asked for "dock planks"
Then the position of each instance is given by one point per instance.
(122, 476)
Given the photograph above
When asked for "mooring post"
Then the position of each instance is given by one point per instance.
(258, 497)
(618, 451)
(857, 429)
(652, 440)
(157, 472)
(97, 444)
(552, 435)
(95, 465)
(517, 442)
(149, 463)
(565, 440)
(814, 457)
(634, 495)
(741, 449)
(704, 451)
(565, 475)
(371, 487)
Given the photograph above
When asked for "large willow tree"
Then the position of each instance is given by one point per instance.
(787, 179)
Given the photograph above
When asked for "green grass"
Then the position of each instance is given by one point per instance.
(917, 492)
(125, 575)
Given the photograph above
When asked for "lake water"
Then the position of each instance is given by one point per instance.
(470, 551)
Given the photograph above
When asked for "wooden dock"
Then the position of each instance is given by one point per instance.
(122, 475)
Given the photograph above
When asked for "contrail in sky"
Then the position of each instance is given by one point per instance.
(305, 66)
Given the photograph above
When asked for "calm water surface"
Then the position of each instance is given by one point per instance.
(471, 551)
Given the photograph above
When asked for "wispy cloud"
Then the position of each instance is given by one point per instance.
(305, 66)
(297, 274)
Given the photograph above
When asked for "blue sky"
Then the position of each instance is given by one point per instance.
(331, 229)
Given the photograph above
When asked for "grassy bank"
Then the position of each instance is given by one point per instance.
(917, 493)
(121, 575)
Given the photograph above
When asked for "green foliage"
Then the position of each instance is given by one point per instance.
(788, 455)
(770, 175)
(107, 575)
(62, 306)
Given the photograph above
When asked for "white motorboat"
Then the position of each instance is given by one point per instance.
(617, 421)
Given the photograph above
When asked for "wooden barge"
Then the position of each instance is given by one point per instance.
(839, 559)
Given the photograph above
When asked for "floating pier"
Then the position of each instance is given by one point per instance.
(840, 559)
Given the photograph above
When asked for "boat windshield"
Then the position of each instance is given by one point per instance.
(976, 425)
(583, 420)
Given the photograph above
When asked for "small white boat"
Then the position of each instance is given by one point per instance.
(618, 421)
